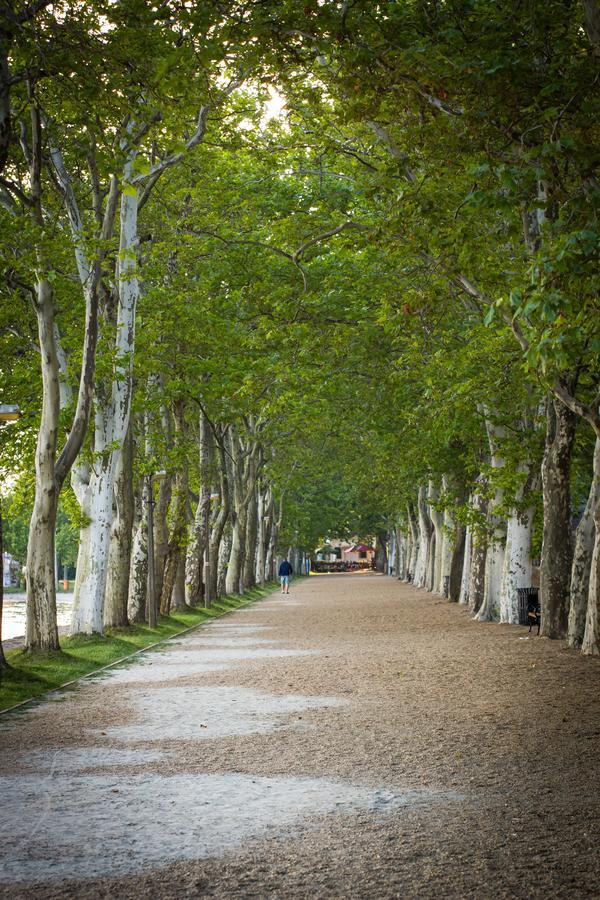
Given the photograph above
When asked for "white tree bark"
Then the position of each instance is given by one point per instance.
(494, 563)
(138, 574)
(264, 507)
(448, 541)
(414, 542)
(582, 561)
(422, 565)
(591, 638)
(464, 582)
(112, 422)
(199, 533)
(437, 518)
(244, 458)
(517, 557)
(224, 554)
(119, 555)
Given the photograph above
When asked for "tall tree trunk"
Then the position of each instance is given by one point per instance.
(121, 537)
(112, 422)
(494, 561)
(452, 546)
(249, 579)
(479, 544)
(178, 517)
(42, 632)
(517, 559)
(41, 628)
(161, 531)
(477, 573)
(224, 554)
(276, 522)
(430, 576)
(466, 566)
(414, 548)
(517, 563)
(235, 568)
(437, 519)
(90, 584)
(216, 535)
(138, 573)
(161, 508)
(244, 473)
(582, 559)
(381, 551)
(557, 544)
(425, 533)
(494, 567)
(178, 594)
(259, 569)
(402, 544)
(194, 563)
(457, 558)
(591, 638)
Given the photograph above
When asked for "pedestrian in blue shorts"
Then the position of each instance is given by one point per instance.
(285, 570)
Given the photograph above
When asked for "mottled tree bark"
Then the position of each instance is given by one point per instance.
(223, 561)
(249, 578)
(161, 508)
(590, 645)
(425, 534)
(41, 628)
(456, 563)
(178, 593)
(194, 563)
(557, 545)
(582, 559)
(414, 544)
(121, 537)
(494, 560)
(138, 573)
(381, 551)
(216, 535)
(178, 517)
(437, 519)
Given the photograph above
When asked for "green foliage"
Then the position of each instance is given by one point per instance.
(304, 276)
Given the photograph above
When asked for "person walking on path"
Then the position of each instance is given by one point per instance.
(285, 570)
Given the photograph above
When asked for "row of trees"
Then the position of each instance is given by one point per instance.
(377, 309)
(489, 212)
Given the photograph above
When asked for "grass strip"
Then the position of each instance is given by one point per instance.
(33, 674)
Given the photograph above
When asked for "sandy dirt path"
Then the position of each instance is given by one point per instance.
(358, 738)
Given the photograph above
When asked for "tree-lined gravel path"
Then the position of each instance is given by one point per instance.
(358, 738)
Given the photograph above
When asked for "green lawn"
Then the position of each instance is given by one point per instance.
(32, 674)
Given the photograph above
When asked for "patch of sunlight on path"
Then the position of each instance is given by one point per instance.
(79, 826)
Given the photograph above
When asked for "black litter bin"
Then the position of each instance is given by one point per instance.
(527, 597)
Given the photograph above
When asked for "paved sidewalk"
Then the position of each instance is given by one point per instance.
(358, 738)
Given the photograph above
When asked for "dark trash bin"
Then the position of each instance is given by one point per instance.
(446, 587)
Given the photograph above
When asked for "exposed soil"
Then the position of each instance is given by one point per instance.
(365, 739)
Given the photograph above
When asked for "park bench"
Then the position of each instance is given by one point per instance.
(529, 607)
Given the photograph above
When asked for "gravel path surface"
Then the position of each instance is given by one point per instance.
(359, 738)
